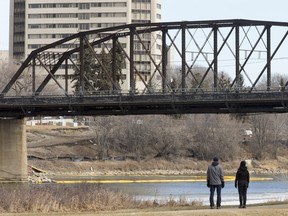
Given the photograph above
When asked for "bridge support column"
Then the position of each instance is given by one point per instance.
(13, 150)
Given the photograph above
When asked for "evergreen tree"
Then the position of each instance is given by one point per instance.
(98, 76)
(241, 82)
(103, 75)
(89, 73)
(199, 72)
(195, 83)
(224, 82)
(120, 63)
(281, 84)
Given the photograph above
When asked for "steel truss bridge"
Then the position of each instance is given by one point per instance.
(251, 52)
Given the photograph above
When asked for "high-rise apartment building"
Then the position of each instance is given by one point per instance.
(3, 60)
(36, 23)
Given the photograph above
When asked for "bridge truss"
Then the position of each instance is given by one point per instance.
(216, 66)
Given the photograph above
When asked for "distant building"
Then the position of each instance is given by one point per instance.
(4, 59)
(36, 23)
(4, 55)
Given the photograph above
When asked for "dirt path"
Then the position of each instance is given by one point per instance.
(253, 211)
(274, 210)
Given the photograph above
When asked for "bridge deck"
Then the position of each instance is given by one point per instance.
(126, 104)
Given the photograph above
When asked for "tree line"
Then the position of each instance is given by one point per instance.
(199, 136)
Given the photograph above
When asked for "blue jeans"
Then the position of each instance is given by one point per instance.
(212, 191)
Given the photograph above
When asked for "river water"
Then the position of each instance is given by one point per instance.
(275, 189)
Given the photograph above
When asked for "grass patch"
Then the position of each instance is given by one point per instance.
(30, 198)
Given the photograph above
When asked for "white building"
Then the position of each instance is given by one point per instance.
(36, 23)
(3, 60)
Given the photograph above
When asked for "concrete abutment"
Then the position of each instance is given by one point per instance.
(13, 150)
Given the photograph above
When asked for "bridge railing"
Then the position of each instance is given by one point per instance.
(191, 92)
(177, 91)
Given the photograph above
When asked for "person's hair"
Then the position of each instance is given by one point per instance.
(243, 163)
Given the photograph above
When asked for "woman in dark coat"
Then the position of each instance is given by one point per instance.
(242, 182)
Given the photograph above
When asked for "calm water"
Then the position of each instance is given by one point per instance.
(258, 191)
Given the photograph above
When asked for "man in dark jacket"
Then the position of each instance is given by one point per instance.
(242, 181)
(215, 180)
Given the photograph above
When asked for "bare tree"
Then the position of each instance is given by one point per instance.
(214, 135)
(278, 121)
(23, 85)
(278, 82)
(104, 133)
(164, 136)
(261, 138)
(193, 78)
(135, 136)
(266, 132)
(153, 136)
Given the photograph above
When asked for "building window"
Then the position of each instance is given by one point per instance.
(109, 4)
(34, 46)
(34, 5)
(48, 16)
(84, 26)
(84, 16)
(119, 4)
(84, 6)
(51, 5)
(141, 1)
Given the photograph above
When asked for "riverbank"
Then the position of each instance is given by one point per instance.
(71, 151)
(153, 167)
(45, 170)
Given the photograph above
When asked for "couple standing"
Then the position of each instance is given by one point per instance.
(215, 181)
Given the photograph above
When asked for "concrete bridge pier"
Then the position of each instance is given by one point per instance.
(13, 150)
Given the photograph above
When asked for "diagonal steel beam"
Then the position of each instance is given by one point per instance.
(135, 69)
(52, 76)
(216, 53)
(250, 53)
(271, 58)
(102, 65)
(24, 65)
(179, 52)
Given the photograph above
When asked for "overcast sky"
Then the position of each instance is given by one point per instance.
(268, 10)
(179, 10)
